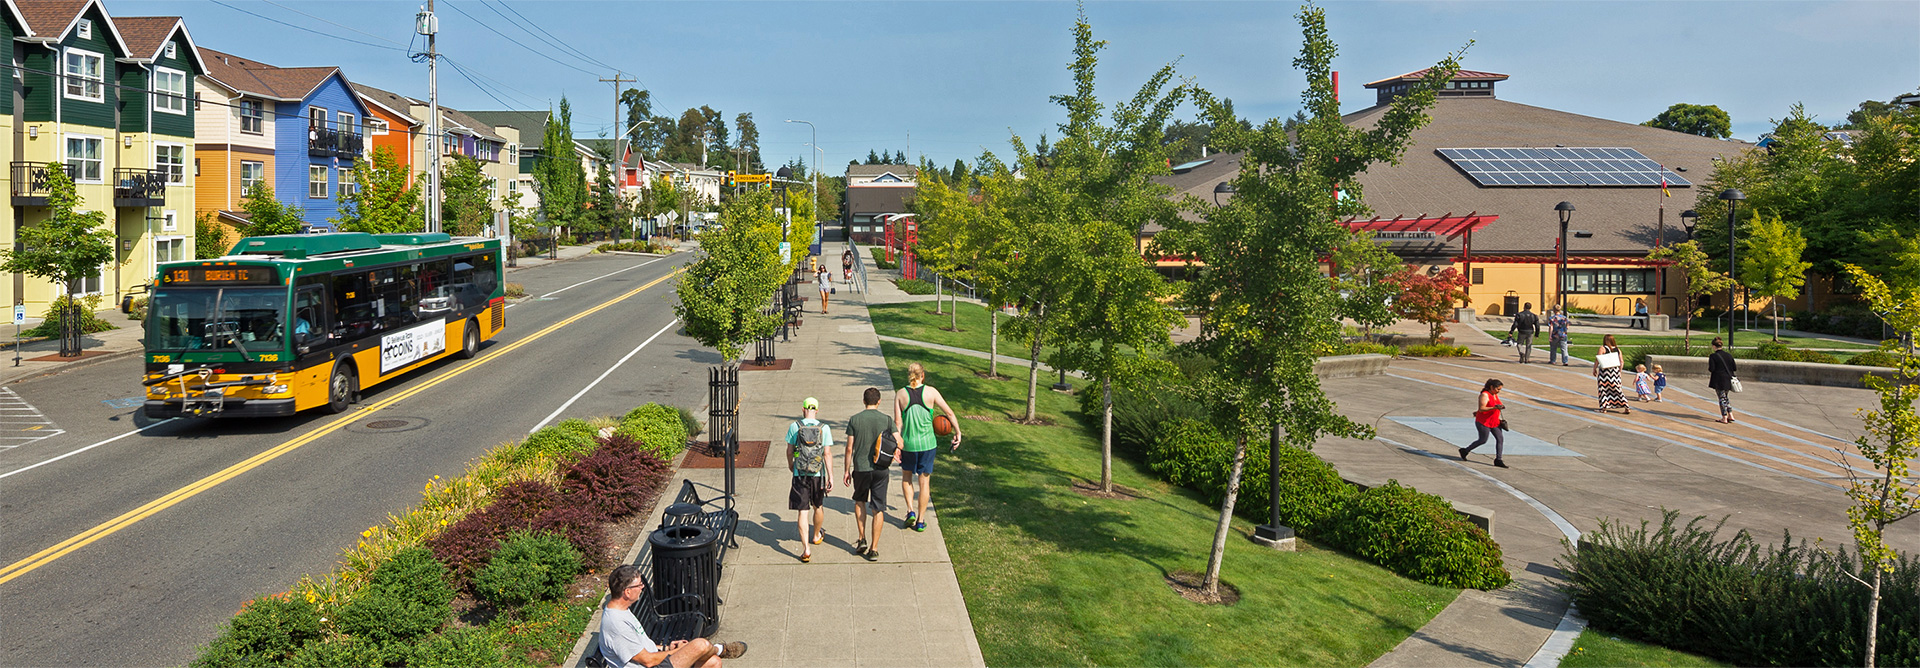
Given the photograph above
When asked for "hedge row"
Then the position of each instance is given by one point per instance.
(514, 532)
(1734, 599)
(1416, 535)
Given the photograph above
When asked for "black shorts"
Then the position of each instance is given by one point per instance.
(809, 491)
(870, 487)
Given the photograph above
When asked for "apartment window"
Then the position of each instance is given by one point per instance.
(252, 118)
(513, 187)
(450, 145)
(348, 125)
(252, 174)
(170, 88)
(172, 159)
(83, 154)
(513, 154)
(493, 191)
(347, 185)
(169, 249)
(169, 221)
(85, 75)
(376, 127)
(316, 181)
(1608, 281)
(85, 28)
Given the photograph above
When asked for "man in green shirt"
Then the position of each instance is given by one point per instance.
(868, 480)
(913, 411)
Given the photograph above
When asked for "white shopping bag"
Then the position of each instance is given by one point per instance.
(1608, 360)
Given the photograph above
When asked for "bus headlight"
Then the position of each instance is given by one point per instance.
(276, 389)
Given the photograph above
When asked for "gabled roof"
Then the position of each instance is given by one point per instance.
(147, 36)
(902, 171)
(1462, 75)
(247, 77)
(26, 30)
(392, 103)
(531, 124)
(51, 20)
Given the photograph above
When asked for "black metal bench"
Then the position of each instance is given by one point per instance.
(716, 513)
(665, 621)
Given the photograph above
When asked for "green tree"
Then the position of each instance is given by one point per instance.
(209, 238)
(800, 206)
(1361, 267)
(384, 199)
(722, 294)
(1857, 119)
(1705, 120)
(1792, 178)
(266, 216)
(1700, 276)
(748, 143)
(1266, 311)
(65, 248)
(1770, 264)
(1891, 442)
(558, 176)
(466, 207)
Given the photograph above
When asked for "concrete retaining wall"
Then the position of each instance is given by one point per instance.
(1351, 366)
(1801, 373)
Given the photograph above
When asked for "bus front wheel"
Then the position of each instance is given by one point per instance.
(470, 341)
(340, 388)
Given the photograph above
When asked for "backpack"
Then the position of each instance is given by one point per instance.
(809, 454)
(885, 447)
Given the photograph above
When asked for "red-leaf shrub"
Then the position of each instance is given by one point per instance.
(1429, 299)
(582, 529)
(466, 546)
(616, 480)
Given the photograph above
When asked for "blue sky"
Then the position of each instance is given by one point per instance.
(958, 77)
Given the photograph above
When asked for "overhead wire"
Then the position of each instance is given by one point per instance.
(522, 25)
(328, 22)
(300, 27)
(522, 45)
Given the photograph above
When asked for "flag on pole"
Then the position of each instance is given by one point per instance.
(1663, 182)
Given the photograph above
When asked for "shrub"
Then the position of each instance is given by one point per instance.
(466, 545)
(1436, 350)
(615, 481)
(1419, 536)
(1194, 456)
(1849, 320)
(571, 437)
(581, 528)
(879, 256)
(1875, 358)
(688, 420)
(1734, 599)
(267, 630)
(90, 322)
(340, 651)
(540, 634)
(914, 286)
(457, 648)
(528, 567)
(410, 596)
(515, 291)
(1142, 409)
(658, 430)
(1638, 355)
(1365, 348)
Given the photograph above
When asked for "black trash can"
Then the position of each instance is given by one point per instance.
(681, 514)
(686, 560)
(1510, 304)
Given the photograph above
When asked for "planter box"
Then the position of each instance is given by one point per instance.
(1350, 366)
(1800, 373)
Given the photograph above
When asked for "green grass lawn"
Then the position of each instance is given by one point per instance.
(1746, 339)
(1053, 578)
(915, 320)
(1597, 649)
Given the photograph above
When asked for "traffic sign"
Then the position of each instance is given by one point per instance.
(753, 178)
(19, 314)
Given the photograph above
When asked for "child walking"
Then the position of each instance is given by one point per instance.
(1642, 382)
(1659, 382)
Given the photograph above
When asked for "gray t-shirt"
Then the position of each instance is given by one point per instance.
(621, 637)
(861, 431)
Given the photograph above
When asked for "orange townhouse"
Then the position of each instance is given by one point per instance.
(389, 126)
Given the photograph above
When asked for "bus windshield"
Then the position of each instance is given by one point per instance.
(211, 318)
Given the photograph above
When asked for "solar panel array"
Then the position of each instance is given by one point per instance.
(1559, 167)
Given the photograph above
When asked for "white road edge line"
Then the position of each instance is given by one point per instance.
(590, 280)
(603, 376)
(90, 447)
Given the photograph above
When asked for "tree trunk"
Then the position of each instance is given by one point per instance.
(1689, 337)
(1776, 319)
(1873, 618)
(953, 309)
(936, 294)
(1033, 377)
(1106, 435)
(993, 345)
(1211, 585)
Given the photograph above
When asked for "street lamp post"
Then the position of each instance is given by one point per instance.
(1566, 216)
(780, 184)
(1689, 219)
(1732, 198)
(1221, 188)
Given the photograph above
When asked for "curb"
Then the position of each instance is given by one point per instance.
(87, 362)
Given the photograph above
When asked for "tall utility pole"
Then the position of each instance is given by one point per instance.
(618, 134)
(427, 24)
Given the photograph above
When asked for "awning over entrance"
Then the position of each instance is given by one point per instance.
(1442, 227)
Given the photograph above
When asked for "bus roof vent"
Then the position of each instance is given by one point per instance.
(413, 238)
(301, 246)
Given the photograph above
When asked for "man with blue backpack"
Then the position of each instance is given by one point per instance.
(807, 441)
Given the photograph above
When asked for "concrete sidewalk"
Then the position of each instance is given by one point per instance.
(838, 610)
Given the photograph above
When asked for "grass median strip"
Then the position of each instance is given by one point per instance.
(916, 320)
(1598, 649)
(1053, 577)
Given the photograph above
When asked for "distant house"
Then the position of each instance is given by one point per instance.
(390, 125)
(299, 129)
(874, 190)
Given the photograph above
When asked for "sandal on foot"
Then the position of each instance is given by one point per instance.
(732, 650)
(806, 558)
(818, 538)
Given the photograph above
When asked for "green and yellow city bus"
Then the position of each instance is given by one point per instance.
(287, 323)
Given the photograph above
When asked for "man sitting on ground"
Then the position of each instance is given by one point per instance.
(624, 643)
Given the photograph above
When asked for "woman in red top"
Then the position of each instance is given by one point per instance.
(1487, 421)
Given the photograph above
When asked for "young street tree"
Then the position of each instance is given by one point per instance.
(1770, 262)
(65, 248)
(1362, 273)
(1892, 442)
(466, 209)
(266, 216)
(1266, 310)
(384, 198)
(210, 239)
(722, 294)
(1428, 299)
(557, 175)
(1701, 278)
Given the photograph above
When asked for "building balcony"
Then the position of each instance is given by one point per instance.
(30, 181)
(325, 143)
(133, 187)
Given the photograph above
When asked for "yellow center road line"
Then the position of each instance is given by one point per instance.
(108, 528)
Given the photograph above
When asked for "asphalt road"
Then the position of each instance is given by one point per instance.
(150, 591)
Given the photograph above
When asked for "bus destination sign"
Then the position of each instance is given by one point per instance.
(223, 275)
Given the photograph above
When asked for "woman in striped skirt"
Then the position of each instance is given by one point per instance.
(1609, 379)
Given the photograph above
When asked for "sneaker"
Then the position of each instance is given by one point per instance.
(860, 546)
(1463, 454)
(733, 650)
(908, 523)
(873, 555)
(1499, 463)
(919, 526)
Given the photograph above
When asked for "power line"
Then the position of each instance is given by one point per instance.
(524, 96)
(299, 27)
(322, 20)
(562, 46)
(476, 84)
(522, 45)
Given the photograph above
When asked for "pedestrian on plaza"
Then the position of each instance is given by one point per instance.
(624, 642)
(846, 263)
(1557, 326)
(807, 457)
(826, 287)
(1642, 383)
(1525, 326)
(1640, 311)
(870, 440)
(1720, 370)
(1490, 420)
(1659, 382)
(1606, 370)
(912, 410)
